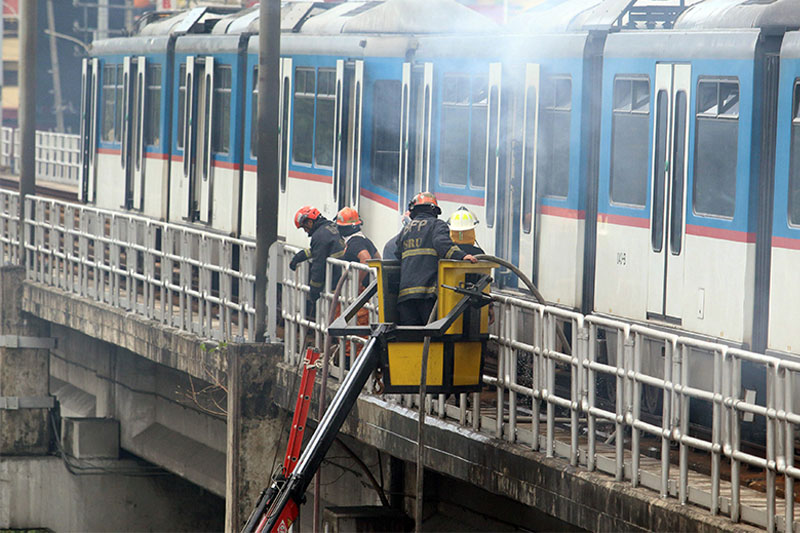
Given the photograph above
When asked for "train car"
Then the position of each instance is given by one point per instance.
(686, 144)
(129, 80)
(127, 103)
(784, 336)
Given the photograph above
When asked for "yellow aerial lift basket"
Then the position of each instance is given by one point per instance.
(458, 336)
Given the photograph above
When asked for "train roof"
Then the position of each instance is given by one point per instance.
(385, 17)
(677, 45)
(790, 48)
(196, 20)
(774, 16)
(126, 45)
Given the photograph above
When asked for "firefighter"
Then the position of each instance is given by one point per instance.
(462, 230)
(358, 248)
(389, 247)
(325, 242)
(420, 245)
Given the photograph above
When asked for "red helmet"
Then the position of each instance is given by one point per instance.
(424, 198)
(348, 217)
(305, 213)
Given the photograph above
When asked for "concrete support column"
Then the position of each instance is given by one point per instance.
(24, 372)
(104, 387)
(256, 427)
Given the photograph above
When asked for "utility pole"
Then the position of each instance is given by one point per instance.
(57, 102)
(27, 111)
(269, 35)
(102, 19)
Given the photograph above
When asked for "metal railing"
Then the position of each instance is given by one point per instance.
(58, 155)
(195, 281)
(643, 405)
(574, 400)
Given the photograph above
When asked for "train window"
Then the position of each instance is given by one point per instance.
(716, 146)
(477, 131)
(678, 158)
(659, 170)
(181, 103)
(152, 124)
(386, 133)
(630, 141)
(119, 107)
(555, 112)
(303, 116)
(530, 156)
(794, 160)
(221, 137)
(254, 117)
(455, 129)
(463, 131)
(108, 130)
(323, 131)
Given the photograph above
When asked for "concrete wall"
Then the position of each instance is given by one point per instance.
(40, 492)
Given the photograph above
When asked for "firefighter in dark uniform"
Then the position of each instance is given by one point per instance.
(420, 245)
(325, 242)
(358, 248)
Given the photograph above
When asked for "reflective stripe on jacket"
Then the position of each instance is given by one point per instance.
(419, 247)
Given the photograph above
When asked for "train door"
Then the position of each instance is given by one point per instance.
(189, 84)
(415, 132)
(668, 186)
(197, 128)
(134, 193)
(512, 129)
(131, 154)
(348, 106)
(527, 163)
(488, 213)
(90, 83)
(284, 114)
(201, 197)
(127, 127)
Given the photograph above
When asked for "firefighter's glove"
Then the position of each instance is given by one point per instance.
(298, 258)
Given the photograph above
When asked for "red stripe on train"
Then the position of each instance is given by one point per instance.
(722, 234)
(111, 151)
(562, 212)
(378, 198)
(460, 198)
(786, 242)
(622, 220)
(311, 177)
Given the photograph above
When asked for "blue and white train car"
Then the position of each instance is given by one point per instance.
(784, 335)
(685, 146)
(128, 86)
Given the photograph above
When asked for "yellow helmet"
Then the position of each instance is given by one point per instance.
(462, 220)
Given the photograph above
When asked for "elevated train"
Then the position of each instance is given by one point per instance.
(650, 174)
